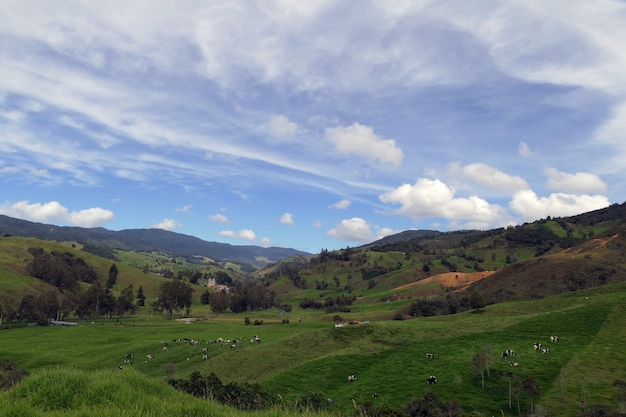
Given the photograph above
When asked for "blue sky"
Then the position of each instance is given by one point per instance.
(310, 125)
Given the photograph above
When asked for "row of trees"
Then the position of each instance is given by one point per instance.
(95, 302)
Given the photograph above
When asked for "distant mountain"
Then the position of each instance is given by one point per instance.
(148, 240)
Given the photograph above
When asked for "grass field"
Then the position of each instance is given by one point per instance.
(309, 354)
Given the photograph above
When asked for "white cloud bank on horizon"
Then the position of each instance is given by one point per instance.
(54, 211)
(166, 224)
(245, 234)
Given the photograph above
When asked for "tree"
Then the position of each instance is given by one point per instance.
(531, 387)
(125, 303)
(219, 301)
(204, 297)
(141, 298)
(477, 303)
(112, 276)
(95, 302)
(482, 363)
(174, 296)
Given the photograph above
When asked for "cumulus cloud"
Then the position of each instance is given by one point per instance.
(54, 211)
(341, 205)
(526, 152)
(354, 229)
(166, 224)
(358, 230)
(578, 183)
(531, 207)
(281, 127)
(218, 218)
(434, 199)
(183, 209)
(488, 177)
(245, 234)
(264, 242)
(286, 218)
(361, 140)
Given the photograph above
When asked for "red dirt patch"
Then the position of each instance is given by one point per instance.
(457, 280)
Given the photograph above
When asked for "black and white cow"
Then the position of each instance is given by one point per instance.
(431, 380)
(351, 378)
(512, 363)
(430, 355)
(554, 339)
(508, 353)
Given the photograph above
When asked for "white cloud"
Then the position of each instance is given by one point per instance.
(54, 211)
(286, 218)
(578, 183)
(166, 224)
(341, 205)
(183, 209)
(318, 224)
(218, 218)
(281, 127)
(434, 199)
(531, 207)
(526, 152)
(361, 140)
(354, 229)
(245, 234)
(488, 177)
(265, 242)
(381, 232)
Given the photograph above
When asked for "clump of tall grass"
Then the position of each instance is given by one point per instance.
(65, 392)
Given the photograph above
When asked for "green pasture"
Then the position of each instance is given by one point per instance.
(309, 355)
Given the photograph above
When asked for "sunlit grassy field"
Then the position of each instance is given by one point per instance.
(309, 355)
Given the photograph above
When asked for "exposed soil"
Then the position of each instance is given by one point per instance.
(457, 280)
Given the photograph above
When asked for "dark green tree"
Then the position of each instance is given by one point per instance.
(174, 295)
(204, 297)
(477, 303)
(124, 303)
(219, 301)
(141, 298)
(95, 302)
(112, 276)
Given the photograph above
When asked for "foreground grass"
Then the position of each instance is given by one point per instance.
(106, 393)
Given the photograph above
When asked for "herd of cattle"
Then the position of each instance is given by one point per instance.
(507, 353)
(220, 342)
(231, 344)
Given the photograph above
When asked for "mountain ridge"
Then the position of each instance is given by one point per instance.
(143, 240)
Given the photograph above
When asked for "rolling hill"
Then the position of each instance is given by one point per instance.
(146, 240)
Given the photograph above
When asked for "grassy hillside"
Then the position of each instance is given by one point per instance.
(312, 355)
(563, 277)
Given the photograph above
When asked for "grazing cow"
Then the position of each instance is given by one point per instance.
(351, 378)
(375, 395)
(545, 350)
(507, 353)
(538, 346)
(554, 339)
(205, 357)
(430, 356)
(431, 380)
(511, 363)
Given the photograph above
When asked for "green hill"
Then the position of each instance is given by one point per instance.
(372, 311)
